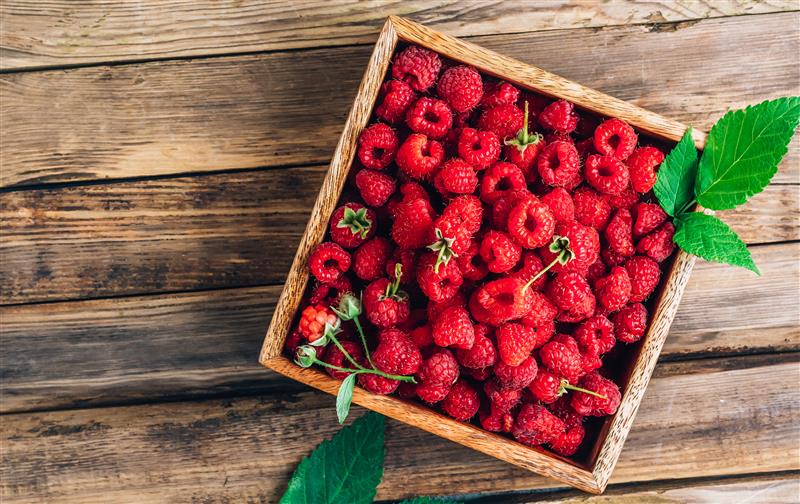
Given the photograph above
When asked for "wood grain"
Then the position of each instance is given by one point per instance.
(212, 231)
(254, 111)
(184, 451)
(66, 34)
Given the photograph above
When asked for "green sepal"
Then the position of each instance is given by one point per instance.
(357, 221)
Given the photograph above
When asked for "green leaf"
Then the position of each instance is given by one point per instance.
(675, 182)
(345, 469)
(743, 151)
(345, 397)
(708, 237)
(429, 500)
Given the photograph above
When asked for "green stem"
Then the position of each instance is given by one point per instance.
(363, 341)
(538, 275)
(565, 384)
(409, 379)
(686, 207)
(345, 352)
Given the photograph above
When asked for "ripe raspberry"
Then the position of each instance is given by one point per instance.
(498, 93)
(335, 357)
(559, 116)
(352, 224)
(313, 320)
(471, 264)
(528, 268)
(468, 210)
(515, 377)
(499, 251)
(370, 258)
(612, 259)
(384, 304)
(499, 180)
(502, 207)
(648, 217)
(396, 353)
(614, 290)
(434, 308)
(329, 293)
(562, 358)
(630, 323)
(438, 285)
(462, 87)
(595, 335)
(558, 163)
(432, 394)
(619, 233)
(596, 270)
(482, 354)
(453, 328)
(439, 370)
(645, 274)
(375, 187)
(563, 410)
(531, 224)
(542, 311)
(422, 336)
(501, 399)
(589, 405)
(419, 156)
(407, 390)
(456, 177)
(377, 384)
(407, 259)
(430, 117)
(417, 67)
(494, 420)
(462, 401)
(584, 243)
(560, 203)
(658, 245)
(328, 262)
(591, 209)
(581, 311)
(293, 341)
(480, 375)
(626, 199)
(412, 224)
(377, 146)
(524, 148)
(606, 174)
(500, 300)
(643, 164)
(535, 425)
(615, 138)
(504, 120)
(567, 443)
(395, 97)
(408, 192)
(478, 148)
(567, 290)
(515, 342)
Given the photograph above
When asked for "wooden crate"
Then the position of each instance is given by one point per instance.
(592, 476)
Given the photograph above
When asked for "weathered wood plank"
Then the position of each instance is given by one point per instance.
(66, 34)
(245, 449)
(61, 355)
(215, 231)
(289, 107)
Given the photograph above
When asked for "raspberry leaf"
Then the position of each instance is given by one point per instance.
(743, 151)
(676, 178)
(711, 239)
(345, 397)
(346, 468)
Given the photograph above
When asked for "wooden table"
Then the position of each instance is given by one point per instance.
(159, 160)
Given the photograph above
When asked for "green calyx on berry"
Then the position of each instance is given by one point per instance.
(565, 385)
(357, 221)
(349, 307)
(524, 138)
(305, 356)
(443, 248)
(564, 254)
(393, 289)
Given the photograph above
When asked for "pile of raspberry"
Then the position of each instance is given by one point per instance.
(501, 244)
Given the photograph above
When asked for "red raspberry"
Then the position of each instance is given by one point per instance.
(535, 425)
(589, 405)
(499, 251)
(630, 323)
(335, 357)
(542, 311)
(500, 180)
(531, 224)
(502, 207)
(547, 387)
(568, 290)
(560, 117)
(567, 443)
(515, 377)
(619, 233)
(407, 259)
(313, 320)
(407, 390)
(461, 86)
(504, 120)
(409, 191)
(606, 174)
(456, 177)
(524, 149)
(611, 258)
(417, 67)
(626, 199)
(430, 117)
(468, 210)
(352, 224)
(422, 336)
(478, 148)
(595, 335)
(591, 209)
(471, 264)
(558, 163)
(377, 146)
(480, 375)
(375, 187)
(584, 242)
(498, 93)
(581, 311)
(396, 353)
(643, 164)
(527, 269)
(328, 262)
(596, 270)
(438, 285)
(494, 420)
(658, 245)
(648, 217)
(377, 384)
(432, 394)
(614, 290)
(501, 399)
(563, 410)
(293, 341)
(515, 342)
(328, 293)
(645, 274)
(370, 258)
(462, 401)
(454, 328)
(562, 358)
(560, 203)
(419, 156)
(385, 304)
(482, 354)
(412, 224)
(500, 300)
(395, 97)
(615, 138)
(436, 308)
(440, 369)
(585, 147)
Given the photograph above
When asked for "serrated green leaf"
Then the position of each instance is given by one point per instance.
(675, 183)
(345, 397)
(429, 500)
(708, 237)
(343, 470)
(743, 150)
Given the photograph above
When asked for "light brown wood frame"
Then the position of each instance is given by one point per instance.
(591, 478)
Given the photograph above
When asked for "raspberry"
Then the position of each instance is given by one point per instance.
(595, 335)
(370, 258)
(313, 320)
(396, 353)
(535, 425)
(643, 164)
(560, 204)
(658, 245)
(419, 156)
(503, 120)
(645, 274)
(563, 410)
(528, 268)
(422, 336)
(494, 420)
(468, 210)
(462, 401)
(500, 300)
(568, 290)
(581, 311)
(439, 370)
(515, 377)
(430, 117)
(417, 67)
(436, 308)
(384, 304)
(619, 233)
(500, 180)
(615, 138)
(498, 93)
(515, 342)
(562, 358)
(377, 146)
(499, 251)
(542, 311)
(480, 375)
(352, 224)
(462, 87)
(559, 116)
(478, 148)
(453, 328)
(407, 259)
(471, 264)
(395, 97)
(567, 443)
(328, 293)
(328, 262)
(611, 258)
(482, 354)
(606, 174)
(335, 357)
(531, 224)
(432, 394)
(378, 384)
(457, 177)
(502, 207)
(614, 290)
(590, 405)
(596, 270)
(407, 390)
(630, 323)
(499, 398)
(546, 387)
(591, 209)
(648, 217)
(626, 199)
(293, 341)
(584, 242)
(558, 163)
(412, 224)
(524, 149)
(409, 191)
(375, 187)
(438, 285)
